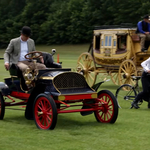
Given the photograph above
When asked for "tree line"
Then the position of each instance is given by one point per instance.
(67, 21)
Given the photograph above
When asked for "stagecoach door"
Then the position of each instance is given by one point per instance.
(121, 42)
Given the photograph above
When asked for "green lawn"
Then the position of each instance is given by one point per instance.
(73, 131)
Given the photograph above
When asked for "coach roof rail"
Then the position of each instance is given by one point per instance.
(122, 25)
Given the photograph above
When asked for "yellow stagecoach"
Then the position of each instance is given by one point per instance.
(115, 51)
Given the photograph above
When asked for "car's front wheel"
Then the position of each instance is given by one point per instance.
(45, 112)
(109, 107)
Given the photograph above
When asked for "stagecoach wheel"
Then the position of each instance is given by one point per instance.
(86, 66)
(109, 107)
(45, 112)
(114, 77)
(102, 76)
(126, 70)
(2, 107)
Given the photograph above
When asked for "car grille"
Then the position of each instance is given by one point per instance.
(69, 80)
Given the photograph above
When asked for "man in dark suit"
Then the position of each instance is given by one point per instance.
(18, 48)
(145, 94)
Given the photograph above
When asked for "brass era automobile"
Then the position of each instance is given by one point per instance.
(115, 51)
(51, 91)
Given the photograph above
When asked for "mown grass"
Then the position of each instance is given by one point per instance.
(73, 131)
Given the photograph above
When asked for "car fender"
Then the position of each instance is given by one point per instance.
(4, 89)
(3, 85)
(40, 88)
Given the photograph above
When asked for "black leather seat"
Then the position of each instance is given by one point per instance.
(49, 61)
(15, 72)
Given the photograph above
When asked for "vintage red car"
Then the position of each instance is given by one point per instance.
(53, 91)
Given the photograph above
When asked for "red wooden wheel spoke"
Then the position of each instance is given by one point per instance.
(109, 101)
(49, 113)
(102, 115)
(107, 116)
(44, 121)
(110, 114)
(47, 121)
(39, 117)
(105, 99)
(48, 109)
(41, 121)
(110, 105)
(39, 107)
(49, 117)
(42, 106)
(109, 109)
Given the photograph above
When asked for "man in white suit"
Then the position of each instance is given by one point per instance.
(18, 48)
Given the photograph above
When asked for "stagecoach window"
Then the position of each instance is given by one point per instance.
(107, 40)
(114, 43)
(97, 42)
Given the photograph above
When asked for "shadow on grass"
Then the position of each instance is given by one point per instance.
(69, 122)
(16, 116)
(114, 87)
(64, 121)
(18, 120)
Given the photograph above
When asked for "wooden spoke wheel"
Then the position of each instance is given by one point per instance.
(114, 77)
(126, 70)
(109, 107)
(102, 76)
(45, 112)
(86, 66)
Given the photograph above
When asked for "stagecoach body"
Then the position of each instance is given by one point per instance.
(115, 51)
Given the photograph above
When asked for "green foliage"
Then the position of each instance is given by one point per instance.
(67, 21)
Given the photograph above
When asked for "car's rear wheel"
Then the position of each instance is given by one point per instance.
(45, 112)
(2, 107)
(109, 107)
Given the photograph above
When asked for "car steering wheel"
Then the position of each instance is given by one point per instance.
(27, 56)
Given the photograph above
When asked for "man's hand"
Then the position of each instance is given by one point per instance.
(41, 59)
(148, 71)
(7, 66)
(146, 32)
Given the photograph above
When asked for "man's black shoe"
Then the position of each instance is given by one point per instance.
(135, 105)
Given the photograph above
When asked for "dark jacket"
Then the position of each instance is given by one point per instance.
(144, 25)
